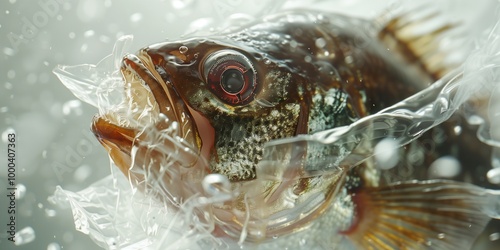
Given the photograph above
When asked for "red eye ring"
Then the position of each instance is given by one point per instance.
(231, 77)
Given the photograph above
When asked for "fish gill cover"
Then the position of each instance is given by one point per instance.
(119, 214)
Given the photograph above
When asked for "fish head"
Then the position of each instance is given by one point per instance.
(226, 99)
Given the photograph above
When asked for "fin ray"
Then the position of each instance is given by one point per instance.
(401, 33)
(419, 215)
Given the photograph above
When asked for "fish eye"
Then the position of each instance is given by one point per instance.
(230, 76)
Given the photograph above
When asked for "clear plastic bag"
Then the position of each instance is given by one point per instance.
(118, 215)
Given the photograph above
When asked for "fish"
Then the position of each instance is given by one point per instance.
(206, 106)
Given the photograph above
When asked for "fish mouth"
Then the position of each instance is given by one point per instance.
(152, 115)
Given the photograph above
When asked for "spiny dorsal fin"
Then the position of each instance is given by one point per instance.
(403, 34)
(419, 215)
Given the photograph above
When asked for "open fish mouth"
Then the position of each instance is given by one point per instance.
(151, 115)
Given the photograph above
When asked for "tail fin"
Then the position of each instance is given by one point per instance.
(421, 215)
(418, 39)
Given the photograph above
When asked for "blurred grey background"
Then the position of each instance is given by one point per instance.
(54, 143)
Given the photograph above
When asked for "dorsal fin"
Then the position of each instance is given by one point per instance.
(417, 38)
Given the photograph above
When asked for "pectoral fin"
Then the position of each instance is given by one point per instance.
(421, 215)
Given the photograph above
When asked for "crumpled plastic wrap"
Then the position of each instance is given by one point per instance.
(118, 215)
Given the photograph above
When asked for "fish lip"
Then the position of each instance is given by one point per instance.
(119, 138)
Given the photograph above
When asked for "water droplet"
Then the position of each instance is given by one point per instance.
(445, 167)
(386, 153)
(308, 59)
(53, 246)
(457, 129)
(4, 109)
(12, 1)
(494, 236)
(25, 236)
(72, 35)
(20, 191)
(7, 12)
(183, 49)
(493, 176)
(40, 205)
(72, 106)
(293, 44)
(181, 4)
(320, 43)
(11, 74)
(136, 17)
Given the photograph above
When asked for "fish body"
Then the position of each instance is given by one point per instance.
(289, 74)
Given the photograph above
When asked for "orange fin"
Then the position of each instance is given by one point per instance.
(420, 215)
(417, 38)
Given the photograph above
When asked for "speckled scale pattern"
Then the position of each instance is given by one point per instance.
(239, 140)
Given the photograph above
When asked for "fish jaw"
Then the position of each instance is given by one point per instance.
(152, 136)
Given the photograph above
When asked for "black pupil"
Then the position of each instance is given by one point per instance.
(232, 81)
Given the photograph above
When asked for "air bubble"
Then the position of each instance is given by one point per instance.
(50, 212)
(73, 106)
(84, 48)
(183, 49)
(89, 33)
(9, 51)
(11, 74)
(4, 109)
(24, 236)
(445, 167)
(348, 59)
(5, 134)
(20, 191)
(53, 246)
(72, 35)
(320, 43)
(493, 176)
(136, 17)
(386, 153)
(457, 129)
(82, 173)
(308, 59)
(293, 44)
(8, 85)
(181, 4)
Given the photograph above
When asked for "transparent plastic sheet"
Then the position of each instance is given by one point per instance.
(478, 79)
(117, 215)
